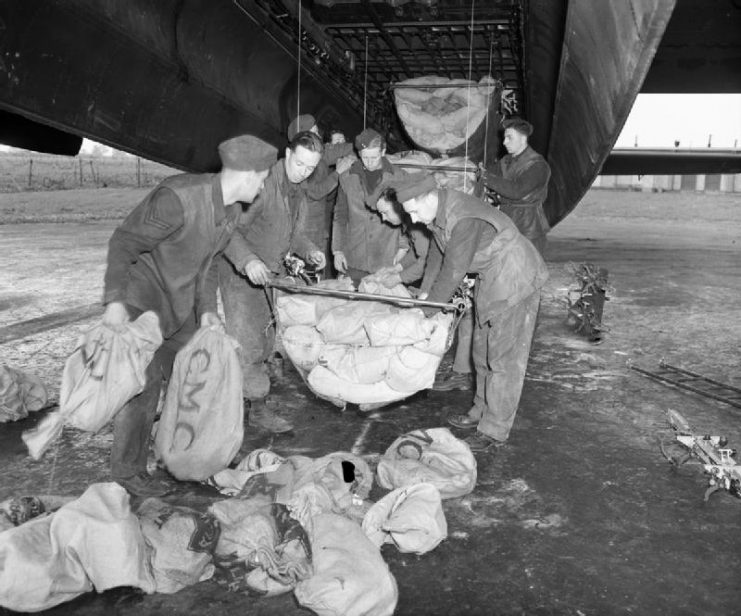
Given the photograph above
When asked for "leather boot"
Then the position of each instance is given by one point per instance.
(262, 415)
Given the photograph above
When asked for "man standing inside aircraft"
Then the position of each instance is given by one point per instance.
(321, 185)
(361, 242)
(161, 258)
(272, 228)
(520, 179)
(472, 237)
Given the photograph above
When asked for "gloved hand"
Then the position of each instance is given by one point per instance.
(317, 259)
(257, 272)
(344, 163)
(211, 319)
(400, 254)
(340, 262)
(115, 316)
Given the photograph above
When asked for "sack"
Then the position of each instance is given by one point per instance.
(411, 518)
(20, 393)
(299, 309)
(93, 542)
(106, 369)
(399, 328)
(350, 577)
(230, 481)
(429, 456)
(328, 385)
(344, 324)
(442, 119)
(370, 284)
(363, 365)
(303, 344)
(438, 342)
(261, 548)
(182, 543)
(201, 427)
(412, 370)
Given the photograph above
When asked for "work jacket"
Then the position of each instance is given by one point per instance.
(320, 190)
(522, 185)
(161, 257)
(367, 242)
(509, 267)
(272, 226)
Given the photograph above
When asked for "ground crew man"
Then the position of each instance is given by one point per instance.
(271, 228)
(361, 242)
(162, 258)
(471, 236)
(322, 184)
(520, 179)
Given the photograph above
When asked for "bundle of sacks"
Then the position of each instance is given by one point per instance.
(20, 393)
(440, 119)
(464, 181)
(363, 352)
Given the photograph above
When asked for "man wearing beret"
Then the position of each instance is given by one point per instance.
(162, 258)
(520, 179)
(321, 185)
(472, 237)
(271, 227)
(361, 242)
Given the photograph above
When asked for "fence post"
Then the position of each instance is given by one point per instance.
(92, 170)
(138, 172)
(80, 161)
(30, 171)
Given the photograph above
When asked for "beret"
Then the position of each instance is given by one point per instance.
(300, 124)
(414, 185)
(364, 139)
(520, 125)
(247, 153)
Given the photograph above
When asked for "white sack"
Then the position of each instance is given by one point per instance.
(362, 365)
(350, 577)
(327, 384)
(437, 343)
(412, 370)
(20, 393)
(406, 326)
(230, 480)
(411, 518)
(202, 423)
(441, 119)
(429, 456)
(182, 543)
(370, 284)
(106, 369)
(303, 344)
(344, 324)
(93, 542)
(307, 309)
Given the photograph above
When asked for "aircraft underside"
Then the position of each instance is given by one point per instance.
(169, 80)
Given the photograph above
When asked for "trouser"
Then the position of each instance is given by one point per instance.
(132, 425)
(463, 361)
(501, 348)
(248, 318)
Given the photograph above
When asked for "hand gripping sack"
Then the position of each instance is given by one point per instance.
(201, 427)
(182, 542)
(350, 576)
(92, 542)
(411, 518)
(106, 369)
(429, 456)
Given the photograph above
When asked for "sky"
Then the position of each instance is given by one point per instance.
(657, 120)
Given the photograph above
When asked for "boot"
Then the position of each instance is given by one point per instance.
(262, 416)
(144, 485)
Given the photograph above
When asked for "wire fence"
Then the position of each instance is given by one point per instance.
(35, 172)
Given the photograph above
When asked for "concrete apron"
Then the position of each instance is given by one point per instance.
(578, 514)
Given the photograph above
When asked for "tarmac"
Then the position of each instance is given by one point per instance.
(578, 514)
